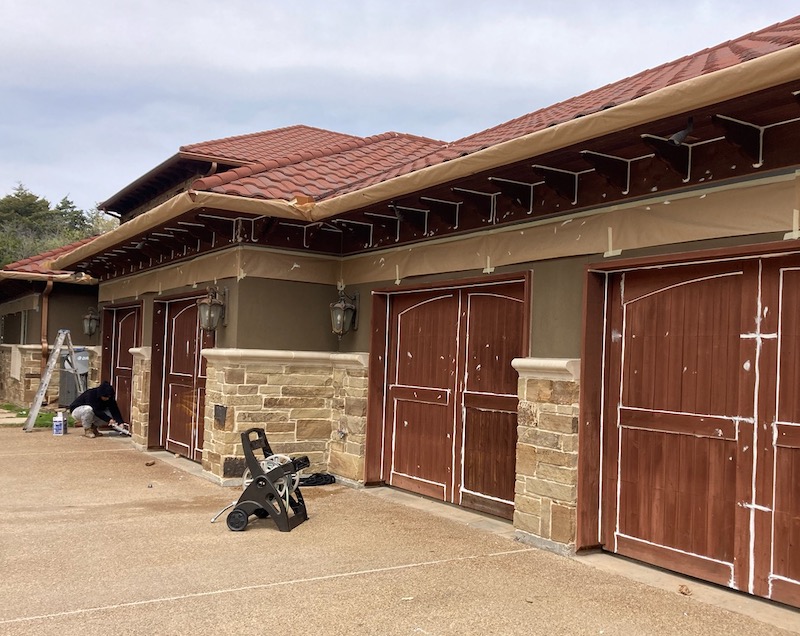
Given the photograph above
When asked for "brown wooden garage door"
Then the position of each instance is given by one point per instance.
(183, 375)
(122, 332)
(451, 409)
(701, 434)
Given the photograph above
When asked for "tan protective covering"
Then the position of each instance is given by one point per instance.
(238, 262)
(731, 210)
(758, 74)
(67, 277)
(724, 212)
(174, 208)
(20, 304)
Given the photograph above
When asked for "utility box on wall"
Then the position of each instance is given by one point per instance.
(68, 377)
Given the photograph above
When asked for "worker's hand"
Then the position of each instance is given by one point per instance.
(112, 421)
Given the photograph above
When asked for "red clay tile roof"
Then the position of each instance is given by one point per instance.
(753, 45)
(40, 263)
(302, 160)
(748, 47)
(323, 172)
(279, 142)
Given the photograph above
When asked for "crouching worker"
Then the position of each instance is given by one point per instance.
(98, 406)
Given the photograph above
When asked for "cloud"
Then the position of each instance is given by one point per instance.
(99, 93)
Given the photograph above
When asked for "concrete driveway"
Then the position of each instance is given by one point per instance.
(95, 541)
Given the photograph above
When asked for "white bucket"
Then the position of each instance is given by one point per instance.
(58, 423)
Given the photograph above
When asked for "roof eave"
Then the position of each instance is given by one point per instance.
(748, 77)
(742, 79)
(175, 207)
(108, 204)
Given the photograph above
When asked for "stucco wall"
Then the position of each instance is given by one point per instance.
(275, 314)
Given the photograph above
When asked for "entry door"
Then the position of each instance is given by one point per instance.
(125, 334)
(702, 423)
(451, 409)
(182, 413)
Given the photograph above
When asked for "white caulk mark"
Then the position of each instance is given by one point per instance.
(746, 365)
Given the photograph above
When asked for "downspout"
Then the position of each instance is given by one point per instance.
(43, 331)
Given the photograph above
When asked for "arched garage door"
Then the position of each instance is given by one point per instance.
(701, 422)
(449, 417)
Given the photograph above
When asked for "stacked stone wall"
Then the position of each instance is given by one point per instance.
(547, 454)
(308, 403)
(140, 398)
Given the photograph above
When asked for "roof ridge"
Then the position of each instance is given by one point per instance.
(262, 132)
(417, 137)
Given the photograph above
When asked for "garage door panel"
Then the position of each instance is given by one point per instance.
(786, 556)
(425, 347)
(494, 335)
(789, 338)
(490, 438)
(680, 343)
(677, 491)
(179, 420)
(422, 441)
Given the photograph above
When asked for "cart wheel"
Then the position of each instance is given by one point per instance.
(261, 513)
(237, 520)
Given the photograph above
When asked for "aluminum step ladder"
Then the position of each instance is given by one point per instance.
(62, 338)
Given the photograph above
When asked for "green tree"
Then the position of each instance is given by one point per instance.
(30, 225)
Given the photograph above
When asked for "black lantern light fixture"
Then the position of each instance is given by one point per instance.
(211, 309)
(344, 313)
(90, 322)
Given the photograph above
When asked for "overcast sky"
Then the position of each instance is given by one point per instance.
(93, 93)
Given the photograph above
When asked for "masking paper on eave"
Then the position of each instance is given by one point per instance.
(173, 209)
(754, 209)
(724, 213)
(236, 263)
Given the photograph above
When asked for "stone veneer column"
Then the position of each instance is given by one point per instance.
(140, 396)
(547, 453)
(309, 403)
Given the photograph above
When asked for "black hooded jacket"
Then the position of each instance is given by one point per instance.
(91, 397)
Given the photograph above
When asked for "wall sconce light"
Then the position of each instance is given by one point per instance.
(90, 322)
(344, 313)
(211, 309)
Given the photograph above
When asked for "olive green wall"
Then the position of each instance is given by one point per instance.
(66, 310)
(557, 311)
(557, 305)
(273, 314)
(12, 328)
